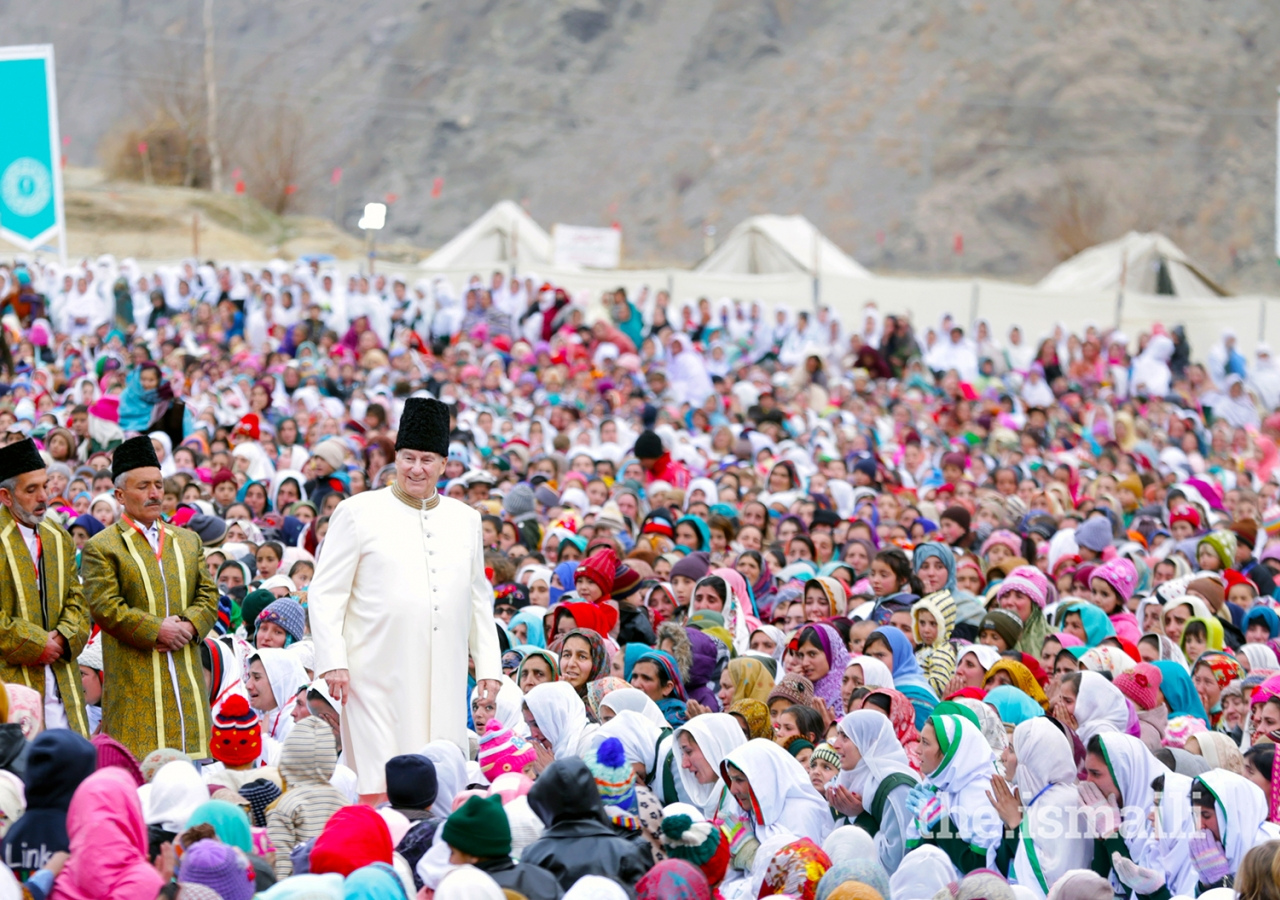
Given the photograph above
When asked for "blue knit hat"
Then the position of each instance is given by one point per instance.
(1094, 533)
(615, 778)
(288, 614)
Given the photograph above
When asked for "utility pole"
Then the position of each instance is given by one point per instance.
(211, 100)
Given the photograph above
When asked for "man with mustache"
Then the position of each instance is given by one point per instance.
(152, 595)
(43, 620)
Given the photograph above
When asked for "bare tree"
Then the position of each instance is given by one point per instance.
(1076, 216)
(279, 155)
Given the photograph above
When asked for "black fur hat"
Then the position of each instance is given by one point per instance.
(135, 453)
(424, 426)
(18, 458)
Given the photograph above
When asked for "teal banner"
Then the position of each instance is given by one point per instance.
(30, 171)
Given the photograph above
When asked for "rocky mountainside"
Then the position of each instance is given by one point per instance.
(988, 136)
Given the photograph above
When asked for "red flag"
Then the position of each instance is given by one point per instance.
(142, 148)
(239, 187)
(957, 243)
(437, 186)
(336, 177)
(290, 189)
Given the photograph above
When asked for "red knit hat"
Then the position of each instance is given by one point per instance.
(1186, 514)
(220, 476)
(249, 427)
(599, 617)
(354, 837)
(237, 733)
(1233, 578)
(599, 567)
(1141, 684)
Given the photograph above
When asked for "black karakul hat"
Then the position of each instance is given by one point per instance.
(424, 426)
(135, 453)
(19, 458)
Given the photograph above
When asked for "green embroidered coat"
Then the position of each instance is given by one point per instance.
(151, 698)
(28, 613)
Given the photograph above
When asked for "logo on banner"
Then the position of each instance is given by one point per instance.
(26, 187)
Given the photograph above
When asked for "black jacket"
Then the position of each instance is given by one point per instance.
(579, 840)
(634, 626)
(534, 882)
(58, 761)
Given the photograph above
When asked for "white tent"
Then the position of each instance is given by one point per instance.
(505, 234)
(776, 245)
(1145, 263)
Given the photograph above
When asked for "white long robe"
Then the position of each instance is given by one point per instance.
(399, 598)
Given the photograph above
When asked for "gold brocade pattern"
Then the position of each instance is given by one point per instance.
(130, 592)
(403, 496)
(25, 621)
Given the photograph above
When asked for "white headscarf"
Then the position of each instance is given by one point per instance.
(1133, 768)
(561, 717)
(167, 467)
(594, 887)
(638, 735)
(775, 634)
(286, 676)
(260, 468)
(451, 774)
(922, 874)
(175, 792)
(882, 755)
(507, 706)
(717, 735)
(1260, 656)
(1100, 707)
(1046, 780)
(962, 780)
(280, 478)
(874, 672)
(1242, 813)
(785, 799)
(637, 701)
(469, 883)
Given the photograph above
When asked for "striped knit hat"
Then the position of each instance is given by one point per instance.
(615, 778)
(502, 751)
(686, 834)
(237, 733)
(288, 614)
(827, 754)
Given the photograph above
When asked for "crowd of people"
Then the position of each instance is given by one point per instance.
(787, 605)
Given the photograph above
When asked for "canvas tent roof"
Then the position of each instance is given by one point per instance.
(1149, 263)
(504, 234)
(773, 245)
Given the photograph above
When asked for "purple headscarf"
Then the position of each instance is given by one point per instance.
(828, 686)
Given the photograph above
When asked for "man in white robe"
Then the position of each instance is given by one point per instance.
(398, 601)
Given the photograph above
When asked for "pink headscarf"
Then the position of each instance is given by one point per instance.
(108, 843)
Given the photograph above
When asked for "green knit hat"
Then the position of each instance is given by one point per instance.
(480, 828)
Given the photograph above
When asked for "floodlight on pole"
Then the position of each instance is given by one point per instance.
(375, 217)
(373, 221)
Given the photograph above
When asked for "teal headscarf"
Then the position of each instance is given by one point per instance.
(1179, 691)
(704, 532)
(229, 823)
(942, 552)
(531, 618)
(631, 653)
(1013, 704)
(376, 881)
(1097, 627)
